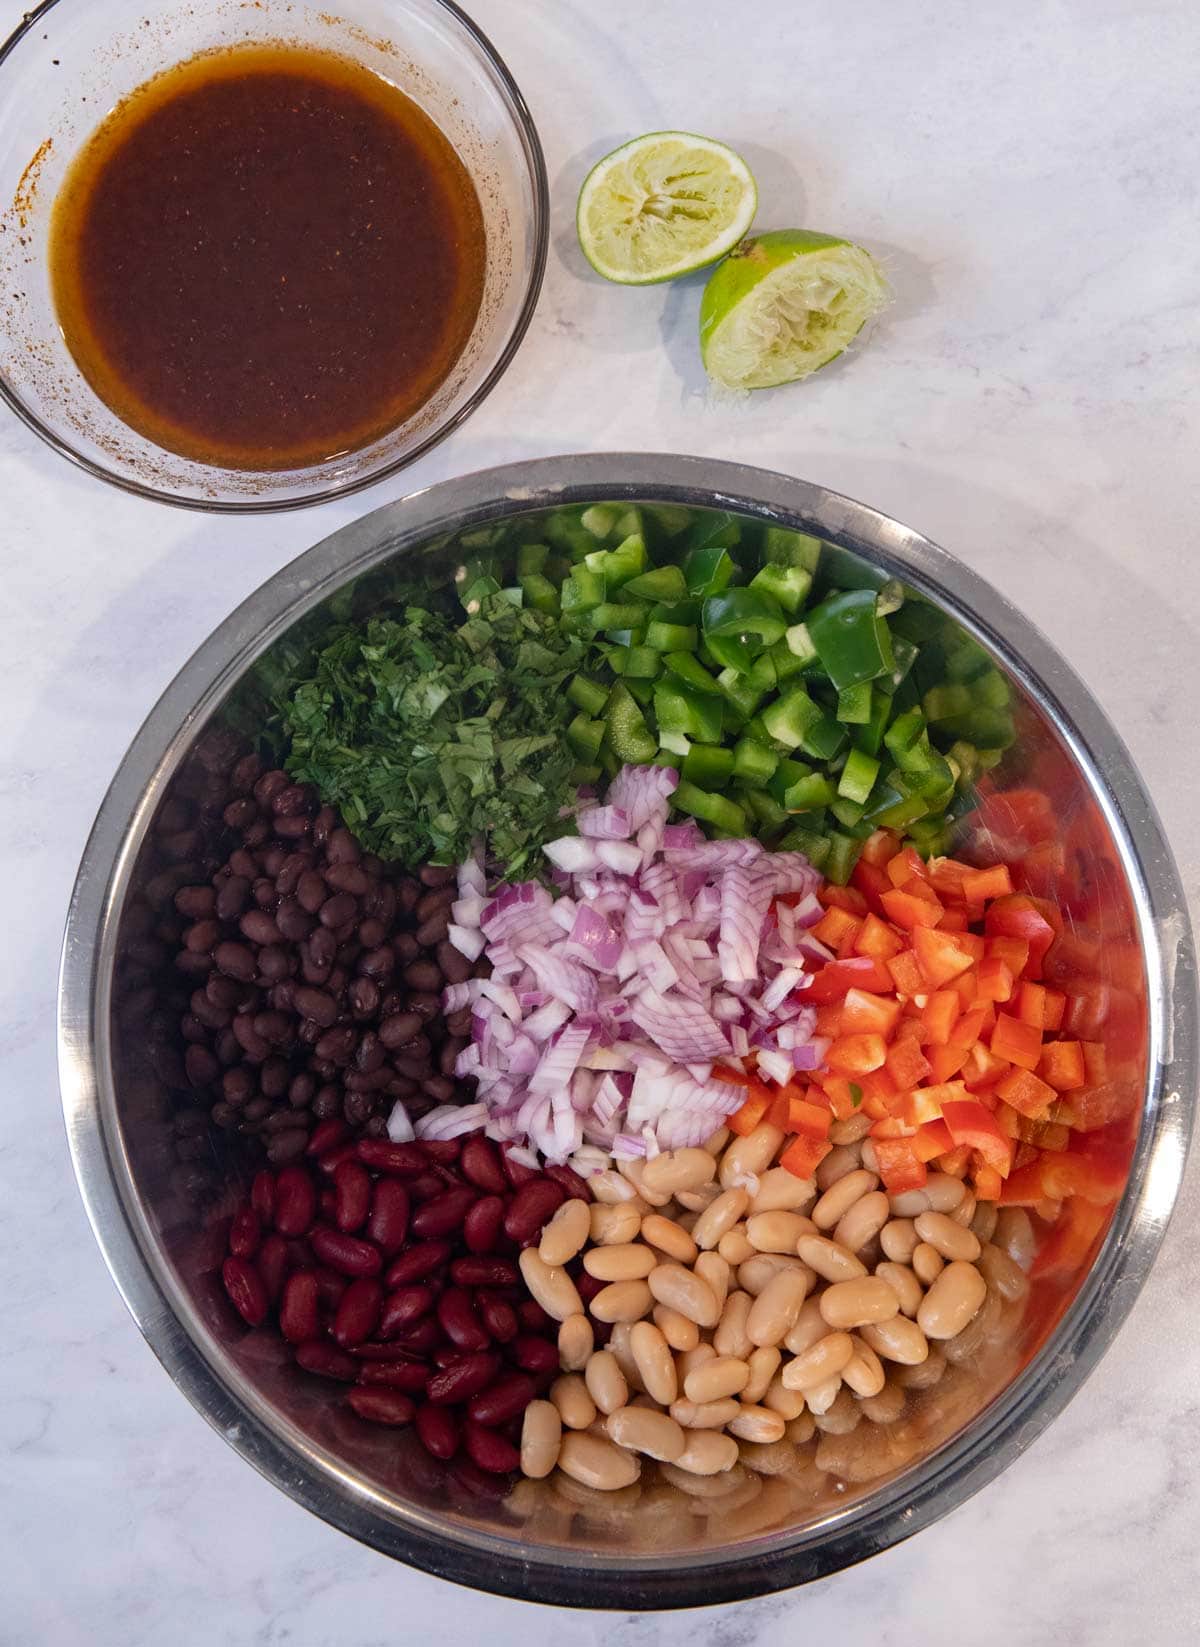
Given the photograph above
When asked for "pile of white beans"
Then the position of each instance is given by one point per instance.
(749, 1309)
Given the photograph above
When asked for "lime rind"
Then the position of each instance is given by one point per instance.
(664, 205)
(784, 304)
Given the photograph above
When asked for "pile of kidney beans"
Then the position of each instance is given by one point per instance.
(392, 1268)
(316, 974)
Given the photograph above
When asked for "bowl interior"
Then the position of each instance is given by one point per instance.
(63, 74)
(849, 1494)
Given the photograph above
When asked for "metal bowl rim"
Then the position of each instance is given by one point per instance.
(920, 1494)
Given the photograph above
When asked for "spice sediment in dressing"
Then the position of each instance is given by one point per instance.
(267, 256)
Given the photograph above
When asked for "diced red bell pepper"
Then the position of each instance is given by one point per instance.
(836, 977)
(1070, 1243)
(836, 925)
(983, 1068)
(1026, 1093)
(1097, 1107)
(946, 876)
(744, 1120)
(1030, 1004)
(1014, 952)
(871, 882)
(970, 1026)
(1021, 916)
(847, 898)
(900, 1167)
(842, 1101)
(939, 1015)
(1019, 1042)
(864, 1014)
(940, 955)
(1062, 1065)
(932, 1139)
(906, 1063)
(804, 1155)
(906, 865)
(976, 1127)
(1054, 1009)
(955, 1161)
(812, 1120)
(946, 1061)
(909, 911)
(905, 973)
(880, 848)
(988, 1183)
(994, 979)
(877, 939)
(856, 1054)
(980, 886)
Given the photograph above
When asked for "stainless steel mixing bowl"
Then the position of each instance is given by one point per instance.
(1128, 925)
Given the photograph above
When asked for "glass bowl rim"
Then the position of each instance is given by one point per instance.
(457, 413)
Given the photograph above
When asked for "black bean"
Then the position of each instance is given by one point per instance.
(287, 1146)
(436, 875)
(405, 947)
(327, 1102)
(427, 1007)
(337, 1045)
(275, 963)
(456, 967)
(316, 1004)
(293, 922)
(399, 1028)
(434, 930)
(448, 1053)
(245, 774)
(193, 965)
(342, 848)
(311, 891)
(238, 1085)
(290, 873)
(371, 932)
(258, 926)
(287, 802)
(202, 1068)
(377, 963)
(242, 864)
(423, 976)
(351, 878)
(302, 1090)
(241, 814)
(370, 1053)
(232, 897)
(293, 828)
(364, 998)
(338, 910)
(270, 785)
(196, 901)
(323, 824)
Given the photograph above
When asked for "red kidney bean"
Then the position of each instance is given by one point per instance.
(530, 1208)
(299, 1309)
(534, 1355)
(346, 1253)
(569, 1181)
(388, 1222)
(272, 1263)
(417, 1262)
(327, 1204)
(327, 1135)
(246, 1291)
(490, 1451)
(409, 1376)
(516, 1172)
(426, 1185)
(295, 1201)
(505, 1399)
(382, 1406)
(588, 1286)
(444, 1151)
(466, 1378)
(443, 1213)
(352, 1187)
(262, 1196)
(421, 1338)
(245, 1233)
(403, 1306)
(447, 1355)
(480, 1162)
(406, 1159)
(534, 1318)
(485, 1272)
(333, 1158)
(456, 1312)
(481, 1226)
(498, 1316)
(327, 1361)
(437, 1430)
(331, 1286)
(358, 1313)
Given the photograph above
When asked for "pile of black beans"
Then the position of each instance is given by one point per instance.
(312, 975)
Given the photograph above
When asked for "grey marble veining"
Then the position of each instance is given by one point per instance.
(1029, 173)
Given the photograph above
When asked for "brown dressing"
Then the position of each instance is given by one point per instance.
(267, 256)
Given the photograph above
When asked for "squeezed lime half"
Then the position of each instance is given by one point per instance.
(664, 205)
(784, 304)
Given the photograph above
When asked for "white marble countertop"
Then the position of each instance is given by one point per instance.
(1029, 172)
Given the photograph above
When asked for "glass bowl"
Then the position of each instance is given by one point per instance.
(1126, 951)
(71, 61)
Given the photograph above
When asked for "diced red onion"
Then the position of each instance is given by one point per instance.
(469, 941)
(605, 823)
(451, 1120)
(399, 1127)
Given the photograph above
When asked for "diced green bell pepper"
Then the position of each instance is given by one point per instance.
(753, 763)
(531, 558)
(540, 594)
(709, 808)
(670, 637)
(782, 547)
(854, 704)
(685, 666)
(870, 737)
(587, 694)
(739, 690)
(851, 639)
(729, 652)
(767, 813)
(584, 737)
(858, 777)
(749, 615)
(677, 708)
(790, 716)
(642, 663)
(809, 793)
(629, 737)
(660, 583)
(582, 590)
(707, 571)
(789, 585)
(813, 845)
(617, 566)
(844, 853)
(708, 765)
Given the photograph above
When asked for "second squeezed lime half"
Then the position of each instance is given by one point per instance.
(784, 304)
